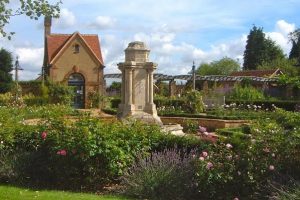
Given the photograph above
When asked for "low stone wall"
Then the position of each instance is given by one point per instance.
(210, 124)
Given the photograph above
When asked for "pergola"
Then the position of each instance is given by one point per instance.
(215, 78)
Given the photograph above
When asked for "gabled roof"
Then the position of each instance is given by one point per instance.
(56, 43)
(258, 73)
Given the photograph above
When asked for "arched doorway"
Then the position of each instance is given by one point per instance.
(77, 81)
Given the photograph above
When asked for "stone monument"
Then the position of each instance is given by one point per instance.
(137, 85)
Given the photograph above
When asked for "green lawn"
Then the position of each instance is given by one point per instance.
(15, 193)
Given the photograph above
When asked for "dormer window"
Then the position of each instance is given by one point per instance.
(76, 48)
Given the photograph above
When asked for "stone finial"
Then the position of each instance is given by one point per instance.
(137, 52)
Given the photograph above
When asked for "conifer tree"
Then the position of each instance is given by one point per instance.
(260, 49)
(295, 51)
(6, 67)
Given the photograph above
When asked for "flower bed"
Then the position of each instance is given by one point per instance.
(86, 153)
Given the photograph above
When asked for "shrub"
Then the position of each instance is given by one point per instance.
(246, 93)
(162, 175)
(70, 153)
(59, 93)
(193, 102)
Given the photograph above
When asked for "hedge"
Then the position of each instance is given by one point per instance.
(158, 102)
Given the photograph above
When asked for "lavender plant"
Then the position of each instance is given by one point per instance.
(163, 175)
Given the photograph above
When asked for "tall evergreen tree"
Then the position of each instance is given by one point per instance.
(260, 49)
(295, 51)
(6, 66)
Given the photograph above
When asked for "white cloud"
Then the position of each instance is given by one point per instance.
(103, 22)
(31, 60)
(280, 35)
(66, 20)
(284, 27)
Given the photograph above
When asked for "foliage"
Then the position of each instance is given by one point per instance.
(287, 80)
(31, 8)
(61, 152)
(260, 49)
(246, 93)
(286, 65)
(68, 152)
(59, 93)
(6, 67)
(286, 193)
(162, 175)
(295, 51)
(162, 88)
(18, 193)
(94, 99)
(224, 66)
(193, 102)
(115, 86)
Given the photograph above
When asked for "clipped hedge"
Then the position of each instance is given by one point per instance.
(158, 102)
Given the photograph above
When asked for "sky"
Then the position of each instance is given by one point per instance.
(177, 32)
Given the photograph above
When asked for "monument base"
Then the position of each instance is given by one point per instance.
(143, 116)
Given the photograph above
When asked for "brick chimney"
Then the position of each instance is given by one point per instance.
(47, 25)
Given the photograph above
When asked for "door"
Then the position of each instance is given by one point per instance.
(77, 82)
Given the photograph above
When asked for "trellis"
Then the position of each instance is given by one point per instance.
(215, 78)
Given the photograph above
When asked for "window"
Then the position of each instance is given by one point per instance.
(76, 48)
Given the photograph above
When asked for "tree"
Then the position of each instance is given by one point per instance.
(260, 49)
(31, 8)
(224, 66)
(286, 65)
(6, 66)
(295, 51)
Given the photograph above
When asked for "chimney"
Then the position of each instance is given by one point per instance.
(47, 25)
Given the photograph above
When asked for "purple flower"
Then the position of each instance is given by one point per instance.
(209, 165)
(202, 129)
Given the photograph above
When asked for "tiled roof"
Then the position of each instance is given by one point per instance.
(257, 73)
(55, 42)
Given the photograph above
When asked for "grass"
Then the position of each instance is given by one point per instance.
(16, 193)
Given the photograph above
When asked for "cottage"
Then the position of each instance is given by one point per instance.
(76, 60)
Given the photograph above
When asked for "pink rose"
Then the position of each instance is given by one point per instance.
(44, 135)
(62, 152)
(236, 198)
(204, 154)
(202, 129)
(209, 165)
(201, 158)
(228, 146)
(271, 167)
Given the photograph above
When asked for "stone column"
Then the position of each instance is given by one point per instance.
(123, 88)
(137, 85)
(128, 90)
(150, 85)
(147, 87)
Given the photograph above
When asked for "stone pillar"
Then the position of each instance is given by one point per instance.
(137, 84)
(129, 87)
(150, 85)
(172, 88)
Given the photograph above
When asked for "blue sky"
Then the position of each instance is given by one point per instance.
(176, 31)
